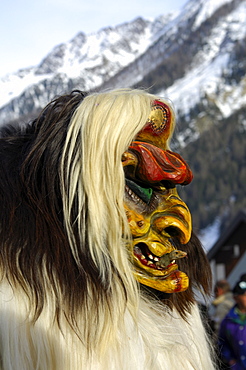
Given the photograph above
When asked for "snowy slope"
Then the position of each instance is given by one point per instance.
(204, 76)
(204, 9)
(208, 30)
(126, 54)
(209, 235)
(196, 47)
(86, 60)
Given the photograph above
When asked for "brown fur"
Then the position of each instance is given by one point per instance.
(32, 235)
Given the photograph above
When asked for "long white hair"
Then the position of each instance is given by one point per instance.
(68, 291)
(92, 178)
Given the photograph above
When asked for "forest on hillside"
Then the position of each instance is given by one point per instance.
(217, 160)
(218, 157)
(178, 58)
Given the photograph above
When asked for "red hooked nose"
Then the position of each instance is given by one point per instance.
(156, 165)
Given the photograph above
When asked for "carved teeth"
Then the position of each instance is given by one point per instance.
(134, 196)
(155, 262)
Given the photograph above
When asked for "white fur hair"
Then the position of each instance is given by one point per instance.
(115, 326)
(160, 340)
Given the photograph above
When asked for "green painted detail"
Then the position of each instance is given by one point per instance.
(148, 192)
(144, 193)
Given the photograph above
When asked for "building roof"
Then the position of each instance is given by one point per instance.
(239, 218)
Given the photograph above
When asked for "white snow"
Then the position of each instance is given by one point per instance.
(210, 234)
(186, 92)
(96, 56)
(204, 78)
(232, 98)
(13, 85)
(209, 7)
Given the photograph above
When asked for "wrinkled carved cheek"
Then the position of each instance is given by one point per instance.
(151, 246)
(139, 225)
(171, 217)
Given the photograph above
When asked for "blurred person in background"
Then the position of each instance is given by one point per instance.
(221, 304)
(232, 333)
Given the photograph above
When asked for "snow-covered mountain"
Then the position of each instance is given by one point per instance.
(86, 62)
(126, 54)
(192, 62)
(202, 36)
(195, 58)
(212, 59)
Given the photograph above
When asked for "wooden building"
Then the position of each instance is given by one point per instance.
(228, 255)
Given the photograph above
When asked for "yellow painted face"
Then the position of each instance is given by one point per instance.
(154, 210)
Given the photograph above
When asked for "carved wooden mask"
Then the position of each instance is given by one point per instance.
(154, 209)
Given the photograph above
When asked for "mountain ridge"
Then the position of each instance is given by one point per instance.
(195, 59)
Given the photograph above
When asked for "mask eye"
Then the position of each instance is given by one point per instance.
(159, 119)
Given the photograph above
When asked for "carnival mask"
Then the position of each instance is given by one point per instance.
(154, 210)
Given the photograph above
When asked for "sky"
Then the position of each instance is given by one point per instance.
(30, 29)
